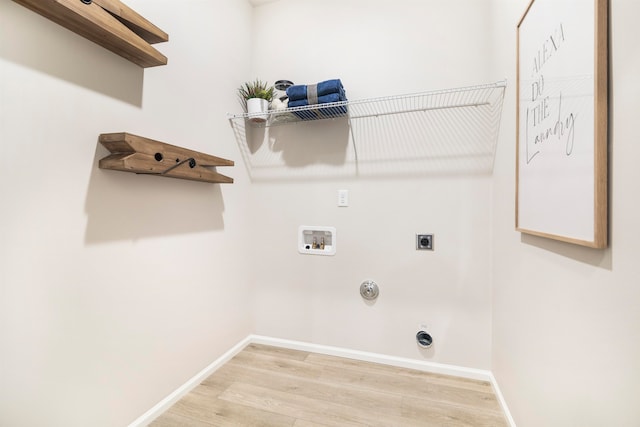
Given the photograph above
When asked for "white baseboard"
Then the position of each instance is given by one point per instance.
(153, 413)
(420, 365)
(503, 403)
(438, 368)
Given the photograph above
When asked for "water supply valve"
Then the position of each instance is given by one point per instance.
(369, 290)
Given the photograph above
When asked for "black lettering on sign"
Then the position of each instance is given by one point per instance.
(563, 129)
(549, 47)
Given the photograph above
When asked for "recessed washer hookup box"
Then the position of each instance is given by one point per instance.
(316, 240)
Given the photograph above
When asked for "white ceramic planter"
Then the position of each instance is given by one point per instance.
(257, 108)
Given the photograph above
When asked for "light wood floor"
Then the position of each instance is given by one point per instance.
(271, 386)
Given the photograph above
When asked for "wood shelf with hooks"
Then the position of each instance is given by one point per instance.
(109, 23)
(132, 153)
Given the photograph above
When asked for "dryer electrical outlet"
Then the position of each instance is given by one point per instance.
(424, 242)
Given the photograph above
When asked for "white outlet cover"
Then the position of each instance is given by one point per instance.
(343, 198)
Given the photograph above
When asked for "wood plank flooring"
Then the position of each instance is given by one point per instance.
(272, 386)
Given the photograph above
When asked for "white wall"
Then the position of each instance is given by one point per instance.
(566, 324)
(116, 288)
(377, 48)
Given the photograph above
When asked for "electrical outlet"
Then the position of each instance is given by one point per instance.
(424, 242)
(343, 198)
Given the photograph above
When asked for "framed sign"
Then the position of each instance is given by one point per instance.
(562, 115)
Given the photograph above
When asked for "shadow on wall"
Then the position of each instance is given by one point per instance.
(127, 206)
(35, 42)
(311, 143)
(601, 258)
(304, 150)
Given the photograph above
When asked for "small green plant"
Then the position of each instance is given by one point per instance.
(255, 89)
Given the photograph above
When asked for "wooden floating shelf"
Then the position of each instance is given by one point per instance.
(109, 23)
(132, 153)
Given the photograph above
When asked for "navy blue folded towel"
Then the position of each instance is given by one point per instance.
(324, 99)
(325, 92)
(299, 92)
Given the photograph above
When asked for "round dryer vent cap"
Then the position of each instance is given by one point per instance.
(424, 339)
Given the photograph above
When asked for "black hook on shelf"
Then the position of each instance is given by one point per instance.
(158, 157)
(191, 160)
